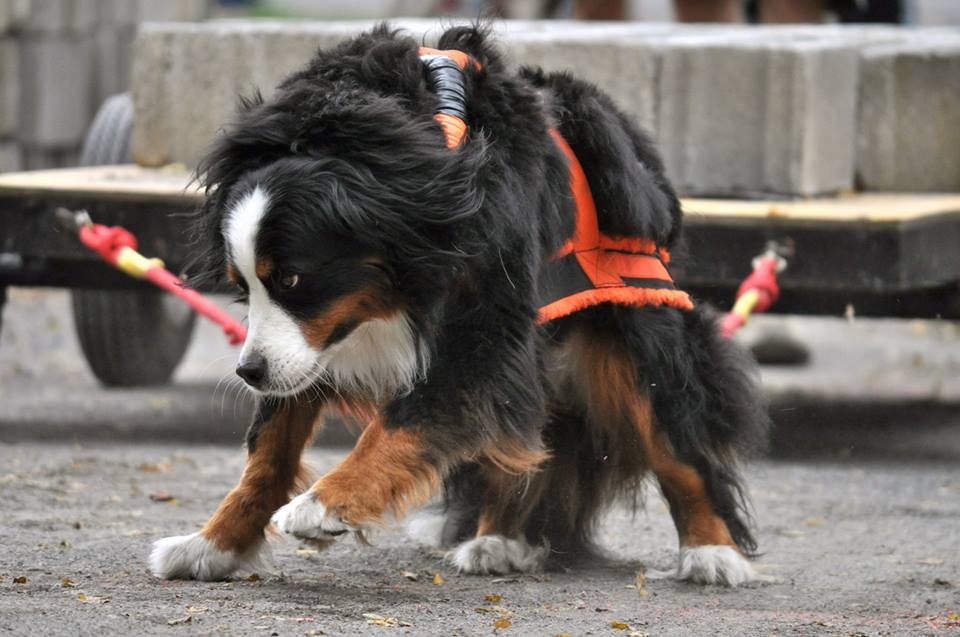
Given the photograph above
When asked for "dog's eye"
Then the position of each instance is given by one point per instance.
(289, 281)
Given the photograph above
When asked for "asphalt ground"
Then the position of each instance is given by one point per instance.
(858, 509)
(854, 548)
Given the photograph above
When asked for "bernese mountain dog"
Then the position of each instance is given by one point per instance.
(476, 262)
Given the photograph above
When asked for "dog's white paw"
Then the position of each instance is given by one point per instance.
(305, 517)
(497, 554)
(195, 557)
(714, 565)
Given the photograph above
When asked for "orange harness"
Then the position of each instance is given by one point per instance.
(591, 267)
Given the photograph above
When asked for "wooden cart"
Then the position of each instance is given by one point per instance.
(879, 254)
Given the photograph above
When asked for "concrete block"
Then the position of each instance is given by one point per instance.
(908, 135)
(172, 10)
(57, 16)
(187, 77)
(624, 64)
(8, 15)
(117, 13)
(56, 93)
(10, 159)
(9, 86)
(114, 55)
(46, 16)
(751, 115)
(41, 158)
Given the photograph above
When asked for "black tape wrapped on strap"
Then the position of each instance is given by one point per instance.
(447, 80)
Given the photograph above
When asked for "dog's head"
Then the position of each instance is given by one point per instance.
(323, 306)
(335, 208)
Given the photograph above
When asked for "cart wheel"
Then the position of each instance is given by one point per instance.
(129, 337)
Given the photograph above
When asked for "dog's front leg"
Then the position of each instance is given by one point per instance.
(389, 470)
(233, 538)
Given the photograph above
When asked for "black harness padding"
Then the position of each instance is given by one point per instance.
(447, 81)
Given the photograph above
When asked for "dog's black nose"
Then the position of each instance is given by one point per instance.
(252, 369)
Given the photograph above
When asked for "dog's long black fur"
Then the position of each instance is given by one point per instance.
(350, 147)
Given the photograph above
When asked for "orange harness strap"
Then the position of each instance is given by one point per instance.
(590, 268)
(623, 270)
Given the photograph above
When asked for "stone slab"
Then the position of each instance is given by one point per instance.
(9, 86)
(172, 10)
(187, 77)
(10, 157)
(751, 115)
(736, 111)
(56, 92)
(908, 135)
(624, 62)
(57, 16)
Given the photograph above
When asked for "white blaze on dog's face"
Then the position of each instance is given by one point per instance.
(321, 308)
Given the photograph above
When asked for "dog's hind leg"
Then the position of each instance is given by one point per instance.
(708, 553)
(233, 538)
(698, 479)
(500, 545)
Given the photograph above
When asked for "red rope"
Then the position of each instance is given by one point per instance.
(763, 283)
(110, 243)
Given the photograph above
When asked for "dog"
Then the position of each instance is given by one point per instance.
(476, 261)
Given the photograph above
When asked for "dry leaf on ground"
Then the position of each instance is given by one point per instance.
(380, 620)
(502, 622)
(437, 579)
(154, 467)
(494, 598)
(641, 582)
(180, 620)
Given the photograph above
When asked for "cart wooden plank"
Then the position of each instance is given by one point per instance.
(887, 254)
(859, 207)
(131, 181)
(127, 182)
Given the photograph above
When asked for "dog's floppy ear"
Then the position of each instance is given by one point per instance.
(259, 135)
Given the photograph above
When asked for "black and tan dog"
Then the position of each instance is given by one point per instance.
(477, 260)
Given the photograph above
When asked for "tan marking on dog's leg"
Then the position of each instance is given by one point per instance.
(508, 501)
(607, 374)
(387, 472)
(683, 487)
(273, 470)
(233, 538)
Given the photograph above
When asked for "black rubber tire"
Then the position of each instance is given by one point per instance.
(130, 338)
